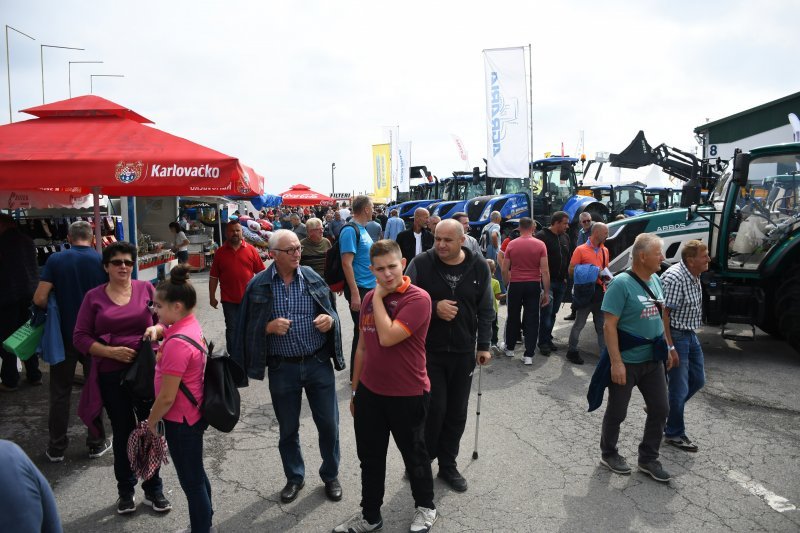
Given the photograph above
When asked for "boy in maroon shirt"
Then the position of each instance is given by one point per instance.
(391, 389)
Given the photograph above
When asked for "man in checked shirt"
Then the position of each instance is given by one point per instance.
(683, 314)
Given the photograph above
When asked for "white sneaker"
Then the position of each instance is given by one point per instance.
(424, 519)
(527, 360)
(357, 524)
(502, 347)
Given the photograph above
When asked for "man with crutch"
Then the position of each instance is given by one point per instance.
(459, 284)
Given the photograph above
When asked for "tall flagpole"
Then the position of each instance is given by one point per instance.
(530, 103)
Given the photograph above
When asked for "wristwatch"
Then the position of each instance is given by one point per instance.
(352, 394)
(670, 348)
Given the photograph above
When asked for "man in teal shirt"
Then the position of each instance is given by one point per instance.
(631, 309)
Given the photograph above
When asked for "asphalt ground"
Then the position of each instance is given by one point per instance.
(537, 468)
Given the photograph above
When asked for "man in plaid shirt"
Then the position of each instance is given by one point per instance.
(682, 316)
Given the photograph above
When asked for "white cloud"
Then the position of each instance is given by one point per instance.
(290, 87)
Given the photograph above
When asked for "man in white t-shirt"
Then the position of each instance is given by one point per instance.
(418, 239)
(344, 212)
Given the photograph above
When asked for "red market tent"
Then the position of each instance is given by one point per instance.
(303, 195)
(97, 145)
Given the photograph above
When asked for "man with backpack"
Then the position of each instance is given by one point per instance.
(287, 324)
(354, 245)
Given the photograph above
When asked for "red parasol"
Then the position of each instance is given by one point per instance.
(92, 143)
(303, 195)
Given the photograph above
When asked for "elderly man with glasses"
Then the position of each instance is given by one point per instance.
(584, 233)
(288, 325)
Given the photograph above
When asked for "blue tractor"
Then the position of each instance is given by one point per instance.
(458, 189)
(422, 195)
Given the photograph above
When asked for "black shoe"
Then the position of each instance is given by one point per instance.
(682, 443)
(126, 504)
(574, 357)
(570, 316)
(553, 347)
(545, 350)
(451, 476)
(291, 490)
(333, 490)
(158, 502)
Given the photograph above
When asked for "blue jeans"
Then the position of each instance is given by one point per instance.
(231, 312)
(684, 380)
(186, 450)
(548, 317)
(286, 383)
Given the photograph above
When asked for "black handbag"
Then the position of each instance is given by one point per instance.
(221, 402)
(139, 379)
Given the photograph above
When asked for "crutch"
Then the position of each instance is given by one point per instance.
(478, 412)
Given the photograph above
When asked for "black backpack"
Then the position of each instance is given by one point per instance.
(334, 273)
(221, 402)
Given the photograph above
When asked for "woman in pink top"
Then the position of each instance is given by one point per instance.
(109, 327)
(179, 361)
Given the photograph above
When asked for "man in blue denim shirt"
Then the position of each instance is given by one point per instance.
(290, 304)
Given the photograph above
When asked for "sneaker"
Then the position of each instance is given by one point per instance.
(158, 502)
(574, 357)
(451, 476)
(6, 388)
(54, 457)
(527, 360)
(553, 347)
(35, 382)
(126, 504)
(358, 524)
(681, 442)
(655, 470)
(99, 450)
(570, 316)
(616, 463)
(503, 348)
(212, 529)
(424, 519)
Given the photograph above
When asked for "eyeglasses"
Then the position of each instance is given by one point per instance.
(290, 251)
(586, 221)
(120, 262)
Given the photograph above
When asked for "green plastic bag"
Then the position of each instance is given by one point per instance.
(24, 341)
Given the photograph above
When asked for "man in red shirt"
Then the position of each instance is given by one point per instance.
(235, 264)
(527, 275)
(391, 389)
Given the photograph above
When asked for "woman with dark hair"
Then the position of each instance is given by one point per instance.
(179, 361)
(180, 244)
(109, 327)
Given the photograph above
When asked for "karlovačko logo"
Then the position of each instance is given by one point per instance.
(128, 172)
(244, 184)
(175, 171)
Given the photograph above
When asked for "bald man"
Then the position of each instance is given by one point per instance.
(459, 284)
(418, 239)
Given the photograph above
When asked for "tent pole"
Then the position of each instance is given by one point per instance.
(98, 225)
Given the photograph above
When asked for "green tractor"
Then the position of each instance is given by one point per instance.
(751, 223)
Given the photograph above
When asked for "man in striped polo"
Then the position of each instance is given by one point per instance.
(683, 314)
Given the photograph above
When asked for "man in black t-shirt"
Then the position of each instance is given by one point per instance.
(558, 256)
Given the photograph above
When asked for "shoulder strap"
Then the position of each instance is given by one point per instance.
(647, 290)
(356, 230)
(182, 385)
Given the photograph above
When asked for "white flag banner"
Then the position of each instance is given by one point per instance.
(394, 159)
(404, 160)
(506, 112)
(462, 150)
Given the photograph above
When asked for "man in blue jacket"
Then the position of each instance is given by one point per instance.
(287, 325)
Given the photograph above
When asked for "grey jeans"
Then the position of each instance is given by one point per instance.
(650, 379)
(580, 321)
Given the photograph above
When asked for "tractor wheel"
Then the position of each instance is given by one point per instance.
(787, 308)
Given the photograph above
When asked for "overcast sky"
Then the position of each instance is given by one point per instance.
(291, 86)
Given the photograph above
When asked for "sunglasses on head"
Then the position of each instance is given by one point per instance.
(120, 262)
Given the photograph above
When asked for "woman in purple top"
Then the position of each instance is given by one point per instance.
(111, 321)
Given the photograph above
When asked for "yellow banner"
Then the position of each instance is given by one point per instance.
(382, 173)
